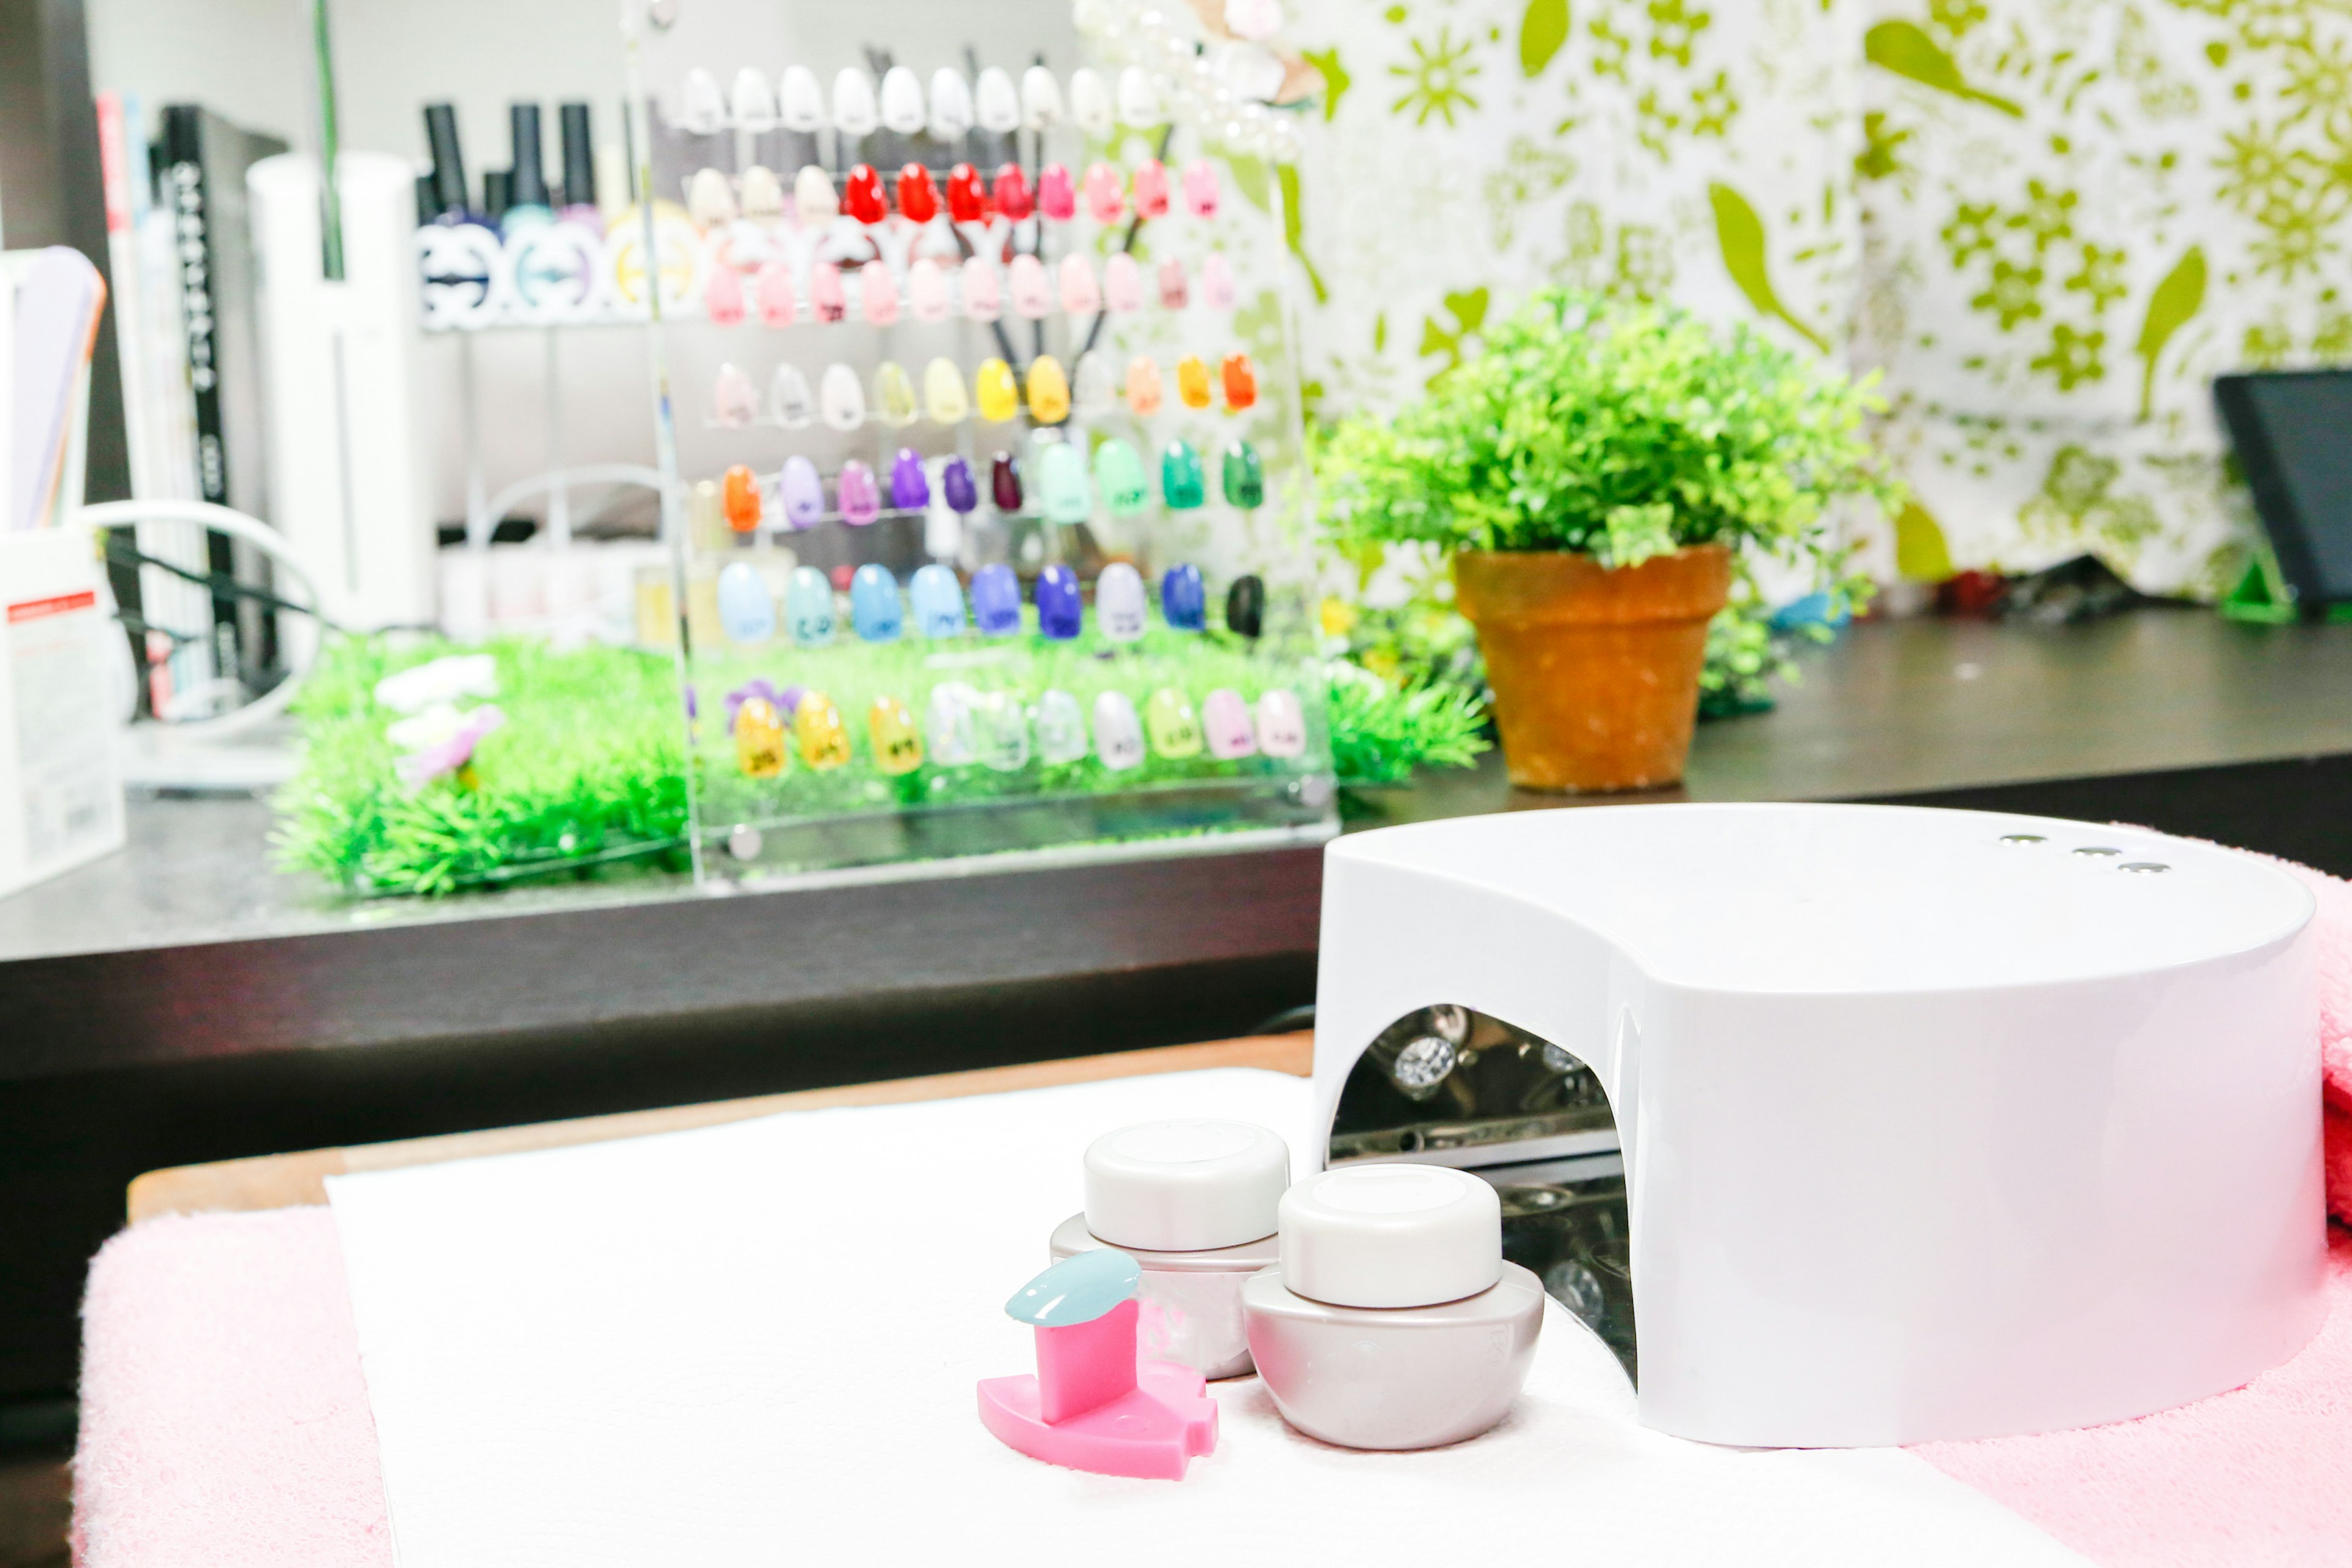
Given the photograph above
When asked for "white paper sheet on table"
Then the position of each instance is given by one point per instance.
(758, 1345)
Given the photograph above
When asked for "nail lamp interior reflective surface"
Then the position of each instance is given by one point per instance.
(1936, 1125)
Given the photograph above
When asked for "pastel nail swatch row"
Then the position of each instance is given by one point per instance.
(954, 107)
(842, 401)
(714, 201)
(978, 289)
(747, 614)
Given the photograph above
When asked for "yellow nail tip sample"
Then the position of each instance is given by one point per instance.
(823, 739)
(996, 393)
(1049, 391)
(760, 738)
(943, 393)
(898, 744)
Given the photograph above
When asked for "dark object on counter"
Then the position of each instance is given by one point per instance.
(579, 156)
(2082, 589)
(1971, 596)
(497, 193)
(1245, 607)
(448, 161)
(2288, 428)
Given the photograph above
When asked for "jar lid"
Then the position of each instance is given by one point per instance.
(1185, 1186)
(1390, 1235)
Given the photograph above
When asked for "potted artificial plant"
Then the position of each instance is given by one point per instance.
(1600, 475)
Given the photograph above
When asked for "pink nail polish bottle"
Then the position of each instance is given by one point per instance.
(1391, 1320)
(1195, 1202)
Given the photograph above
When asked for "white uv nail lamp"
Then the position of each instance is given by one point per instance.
(1936, 1125)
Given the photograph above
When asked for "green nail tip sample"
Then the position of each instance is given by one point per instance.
(1181, 483)
(1119, 475)
(1244, 476)
(1077, 1290)
(1062, 483)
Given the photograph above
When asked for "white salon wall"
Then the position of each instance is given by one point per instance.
(248, 60)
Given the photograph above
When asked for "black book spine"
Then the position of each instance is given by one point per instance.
(183, 185)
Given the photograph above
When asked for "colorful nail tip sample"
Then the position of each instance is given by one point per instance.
(815, 201)
(1081, 294)
(853, 109)
(1175, 289)
(878, 294)
(722, 296)
(938, 601)
(760, 738)
(893, 396)
(1121, 611)
(1061, 728)
(828, 301)
(1105, 203)
(801, 492)
(898, 744)
(1004, 482)
(1152, 188)
(996, 600)
(1143, 388)
(746, 613)
(1182, 487)
(1173, 726)
(1062, 488)
(790, 402)
(1226, 725)
(1122, 285)
(860, 495)
(995, 103)
(1200, 188)
(875, 612)
(910, 487)
(841, 401)
(1240, 378)
(1057, 199)
(943, 396)
(808, 607)
(1001, 728)
(1281, 724)
(948, 724)
(927, 290)
(1090, 101)
(773, 295)
(1183, 599)
(738, 490)
(861, 194)
(1217, 287)
(1192, 382)
(1244, 476)
(1061, 608)
(1032, 292)
(919, 198)
(734, 401)
(1049, 391)
(1118, 733)
(995, 392)
(983, 300)
(1245, 607)
(1013, 198)
(818, 731)
(966, 199)
(958, 486)
(1119, 475)
(1093, 394)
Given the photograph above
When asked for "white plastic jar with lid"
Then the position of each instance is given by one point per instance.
(1391, 1320)
(1195, 1201)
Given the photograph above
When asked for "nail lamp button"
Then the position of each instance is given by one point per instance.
(1390, 1235)
(1187, 1186)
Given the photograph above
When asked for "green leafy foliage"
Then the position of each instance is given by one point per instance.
(1623, 431)
(1381, 730)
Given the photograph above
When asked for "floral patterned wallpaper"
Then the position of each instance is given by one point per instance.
(2047, 223)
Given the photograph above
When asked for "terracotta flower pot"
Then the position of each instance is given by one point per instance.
(1595, 671)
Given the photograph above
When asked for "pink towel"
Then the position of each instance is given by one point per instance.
(223, 1419)
(2334, 927)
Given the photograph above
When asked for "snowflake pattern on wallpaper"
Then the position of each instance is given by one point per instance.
(2047, 223)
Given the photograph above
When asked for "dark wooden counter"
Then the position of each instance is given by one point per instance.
(183, 1002)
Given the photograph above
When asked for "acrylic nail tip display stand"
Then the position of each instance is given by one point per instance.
(978, 430)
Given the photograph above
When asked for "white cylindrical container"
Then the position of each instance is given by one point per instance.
(1193, 1202)
(1391, 1320)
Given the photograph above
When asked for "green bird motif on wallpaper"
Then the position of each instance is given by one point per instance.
(2180, 296)
(1739, 234)
(1909, 53)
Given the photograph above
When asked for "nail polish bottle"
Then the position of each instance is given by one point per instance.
(943, 395)
(579, 155)
(898, 744)
(1091, 102)
(1195, 1203)
(874, 612)
(746, 613)
(1245, 607)
(996, 601)
(983, 299)
(529, 205)
(1183, 601)
(808, 607)
(1118, 733)
(1013, 198)
(860, 496)
(1391, 1320)
(800, 493)
(1004, 482)
(1000, 730)
(947, 723)
(938, 601)
(1152, 188)
(910, 488)
(822, 738)
(1061, 728)
(1061, 611)
(1119, 475)
(927, 290)
(1225, 724)
(1120, 604)
(1182, 484)
(773, 295)
(1057, 199)
(760, 738)
(1174, 725)
(958, 487)
(893, 395)
(1062, 491)
(1281, 724)
(1244, 476)
(1049, 391)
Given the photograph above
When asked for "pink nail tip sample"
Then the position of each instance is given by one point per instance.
(771, 291)
(878, 293)
(1122, 284)
(1175, 289)
(1091, 1405)
(1217, 282)
(983, 300)
(1081, 296)
(828, 301)
(1105, 203)
(1057, 199)
(723, 296)
(1152, 188)
(1200, 188)
(927, 290)
(1033, 296)
(1225, 719)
